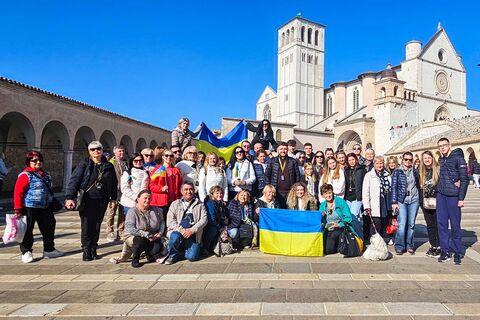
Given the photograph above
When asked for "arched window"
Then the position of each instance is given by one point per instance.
(316, 37)
(382, 92)
(278, 135)
(292, 35)
(302, 34)
(329, 106)
(283, 39)
(356, 101)
(267, 113)
(395, 91)
(309, 35)
(288, 37)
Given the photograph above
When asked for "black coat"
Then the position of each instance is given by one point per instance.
(273, 169)
(358, 175)
(453, 168)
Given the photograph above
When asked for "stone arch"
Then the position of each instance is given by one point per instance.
(127, 142)
(267, 112)
(107, 139)
(17, 136)
(55, 142)
(83, 137)
(442, 113)
(278, 135)
(141, 144)
(347, 140)
(153, 144)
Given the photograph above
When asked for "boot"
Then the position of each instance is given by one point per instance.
(136, 263)
(94, 254)
(87, 254)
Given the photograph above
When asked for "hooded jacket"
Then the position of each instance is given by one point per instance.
(453, 168)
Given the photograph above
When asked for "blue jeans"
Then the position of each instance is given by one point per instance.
(357, 221)
(449, 211)
(210, 234)
(179, 247)
(406, 225)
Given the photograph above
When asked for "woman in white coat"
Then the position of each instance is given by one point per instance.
(333, 174)
(376, 196)
(210, 175)
(134, 180)
(188, 166)
(240, 173)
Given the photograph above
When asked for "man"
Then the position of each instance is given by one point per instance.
(329, 153)
(301, 159)
(282, 172)
(308, 149)
(257, 147)
(357, 149)
(451, 191)
(292, 146)
(186, 219)
(177, 153)
(246, 147)
(120, 166)
(369, 156)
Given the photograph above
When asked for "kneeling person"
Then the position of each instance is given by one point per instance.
(186, 219)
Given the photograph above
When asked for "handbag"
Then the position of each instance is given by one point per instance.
(348, 244)
(430, 203)
(224, 245)
(392, 226)
(80, 202)
(245, 232)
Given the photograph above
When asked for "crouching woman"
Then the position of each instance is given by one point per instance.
(335, 217)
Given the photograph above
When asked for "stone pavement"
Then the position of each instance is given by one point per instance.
(248, 285)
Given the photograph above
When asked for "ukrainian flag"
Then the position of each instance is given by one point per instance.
(224, 146)
(291, 232)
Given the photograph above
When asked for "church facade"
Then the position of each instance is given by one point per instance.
(378, 108)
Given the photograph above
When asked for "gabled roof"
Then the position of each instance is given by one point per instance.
(303, 19)
(267, 89)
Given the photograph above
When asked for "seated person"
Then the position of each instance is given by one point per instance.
(300, 199)
(241, 228)
(186, 219)
(143, 229)
(267, 200)
(335, 216)
(217, 217)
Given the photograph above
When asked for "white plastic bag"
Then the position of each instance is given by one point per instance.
(377, 250)
(15, 228)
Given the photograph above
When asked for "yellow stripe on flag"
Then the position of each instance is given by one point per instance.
(225, 153)
(291, 243)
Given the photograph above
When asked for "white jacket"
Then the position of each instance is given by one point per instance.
(371, 192)
(131, 185)
(188, 172)
(245, 172)
(338, 184)
(209, 177)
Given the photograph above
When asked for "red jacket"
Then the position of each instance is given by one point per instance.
(21, 187)
(158, 177)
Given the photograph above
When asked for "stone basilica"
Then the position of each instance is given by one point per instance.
(388, 109)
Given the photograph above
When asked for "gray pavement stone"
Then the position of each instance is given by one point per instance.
(293, 309)
(292, 268)
(417, 308)
(73, 285)
(29, 296)
(96, 309)
(180, 285)
(229, 309)
(39, 310)
(176, 309)
(311, 295)
(363, 295)
(260, 295)
(208, 295)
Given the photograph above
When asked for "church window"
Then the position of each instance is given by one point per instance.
(316, 37)
(309, 58)
(288, 36)
(395, 91)
(283, 62)
(442, 56)
(286, 97)
(283, 39)
(328, 108)
(303, 34)
(267, 96)
(286, 60)
(382, 92)
(316, 60)
(291, 57)
(356, 102)
(278, 135)
(303, 57)
(292, 34)
(267, 113)
(309, 36)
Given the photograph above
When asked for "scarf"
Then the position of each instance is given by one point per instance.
(385, 185)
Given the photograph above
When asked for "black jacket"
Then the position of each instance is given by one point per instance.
(85, 175)
(453, 168)
(354, 191)
(265, 140)
(273, 168)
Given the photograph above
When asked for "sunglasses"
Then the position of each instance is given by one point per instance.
(265, 124)
(238, 152)
(176, 151)
(168, 155)
(192, 153)
(36, 160)
(408, 159)
(148, 155)
(319, 157)
(357, 148)
(96, 149)
(137, 160)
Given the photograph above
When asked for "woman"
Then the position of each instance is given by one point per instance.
(267, 200)
(335, 217)
(416, 164)
(97, 179)
(134, 180)
(148, 159)
(241, 228)
(263, 134)
(217, 217)
(354, 174)
(259, 165)
(341, 157)
(158, 155)
(33, 197)
(428, 175)
(392, 164)
(165, 183)
(334, 175)
(144, 228)
(188, 166)
(201, 156)
(319, 163)
(182, 136)
(212, 175)
(311, 179)
(300, 199)
(376, 196)
(222, 163)
(405, 201)
(240, 173)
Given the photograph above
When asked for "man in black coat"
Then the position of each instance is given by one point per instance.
(282, 172)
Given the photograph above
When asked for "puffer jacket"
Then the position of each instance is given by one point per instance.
(235, 213)
(453, 168)
(131, 184)
(355, 176)
(399, 184)
(273, 169)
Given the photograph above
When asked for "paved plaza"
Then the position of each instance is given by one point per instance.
(247, 285)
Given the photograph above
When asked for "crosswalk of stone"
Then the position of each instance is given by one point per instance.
(245, 285)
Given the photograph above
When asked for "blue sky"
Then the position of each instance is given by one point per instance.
(159, 60)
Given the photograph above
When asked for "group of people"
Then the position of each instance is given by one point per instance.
(180, 203)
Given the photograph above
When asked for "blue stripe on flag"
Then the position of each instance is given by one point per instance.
(290, 220)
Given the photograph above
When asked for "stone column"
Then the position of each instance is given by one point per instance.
(68, 157)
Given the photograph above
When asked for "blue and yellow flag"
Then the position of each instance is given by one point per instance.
(223, 147)
(291, 232)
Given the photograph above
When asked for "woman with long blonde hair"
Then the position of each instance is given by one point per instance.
(429, 171)
(210, 175)
(300, 199)
(333, 174)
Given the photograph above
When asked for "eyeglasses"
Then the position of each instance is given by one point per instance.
(137, 160)
(178, 151)
(96, 149)
(168, 155)
(36, 160)
(443, 145)
(148, 155)
(357, 148)
(408, 159)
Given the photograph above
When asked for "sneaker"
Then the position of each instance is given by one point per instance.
(437, 252)
(136, 263)
(444, 257)
(457, 259)
(27, 257)
(111, 237)
(52, 254)
(390, 242)
(398, 253)
(169, 261)
(431, 252)
(411, 251)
